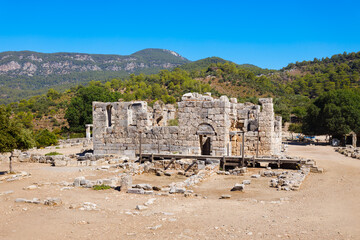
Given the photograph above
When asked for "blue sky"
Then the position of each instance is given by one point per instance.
(269, 34)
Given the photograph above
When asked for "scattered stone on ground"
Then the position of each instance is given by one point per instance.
(52, 202)
(141, 207)
(238, 187)
(155, 227)
(225, 196)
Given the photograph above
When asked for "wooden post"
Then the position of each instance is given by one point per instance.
(10, 162)
(140, 151)
(158, 146)
(170, 145)
(152, 157)
(171, 162)
(257, 146)
(243, 149)
(224, 162)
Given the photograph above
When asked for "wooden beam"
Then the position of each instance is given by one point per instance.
(191, 165)
(172, 161)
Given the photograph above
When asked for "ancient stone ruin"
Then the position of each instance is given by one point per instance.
(198, 125)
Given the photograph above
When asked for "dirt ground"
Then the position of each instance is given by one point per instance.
(326, 207)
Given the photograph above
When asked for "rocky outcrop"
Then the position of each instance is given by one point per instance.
(26, 63)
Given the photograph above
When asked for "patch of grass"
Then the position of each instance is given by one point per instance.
(77, 135)
(53, 154)
(173, 122)
(101, 187)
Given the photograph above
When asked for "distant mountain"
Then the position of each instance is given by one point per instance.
(26, 73)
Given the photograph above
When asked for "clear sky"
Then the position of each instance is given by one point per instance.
(269, 34)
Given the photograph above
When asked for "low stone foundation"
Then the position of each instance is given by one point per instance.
(349, 151)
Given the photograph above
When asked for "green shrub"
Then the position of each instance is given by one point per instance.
(53, 154)
(77, 135)
(45, 138)
(173, 122)
(101, 187)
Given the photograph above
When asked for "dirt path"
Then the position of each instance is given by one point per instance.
(326, 207)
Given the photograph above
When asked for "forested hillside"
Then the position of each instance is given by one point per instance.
(312, 78)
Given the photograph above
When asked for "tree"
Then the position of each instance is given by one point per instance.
(335, 113)
(295, 128)
(79, 111)
(45, 138)
(13, 135)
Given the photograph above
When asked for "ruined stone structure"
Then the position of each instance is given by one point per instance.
(204, 125)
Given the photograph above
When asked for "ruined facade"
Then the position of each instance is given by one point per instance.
(204, 125)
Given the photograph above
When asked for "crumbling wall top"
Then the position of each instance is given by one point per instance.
(265, 100)
(200, 97)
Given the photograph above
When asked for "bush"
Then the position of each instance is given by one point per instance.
(173, 122)
(77, 135)
(53, 154)
(45, 138)
(13, 135)
(101, 187)
(295, 128)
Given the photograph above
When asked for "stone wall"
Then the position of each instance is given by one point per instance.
(206, 126)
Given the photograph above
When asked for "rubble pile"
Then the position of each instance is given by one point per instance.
(287, 180)
(349, 151)
(14, 177)
(82, 182)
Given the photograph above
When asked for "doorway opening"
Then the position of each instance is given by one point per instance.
(205, 145)
(205, 132)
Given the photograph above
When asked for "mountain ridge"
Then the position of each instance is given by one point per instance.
(25, 73)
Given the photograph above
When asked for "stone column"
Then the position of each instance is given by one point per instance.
(88, 132)
(266, 126)
(354, 139)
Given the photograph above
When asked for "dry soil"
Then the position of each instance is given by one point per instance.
(326, 207)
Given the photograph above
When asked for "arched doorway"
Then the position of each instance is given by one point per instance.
(205, 132)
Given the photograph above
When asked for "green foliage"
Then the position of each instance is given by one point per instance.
(335, 113)
(167, 86)
(25, 118)
(200, 65)
(77, 135)
(53, 94)
(45, 138)
(291, 104)
(315, 77)
(299, 112)
(101, 187)
(79, 111)
(37, 104)
(53, 154)
(173, 122)
(13, 135)
(295, 128)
